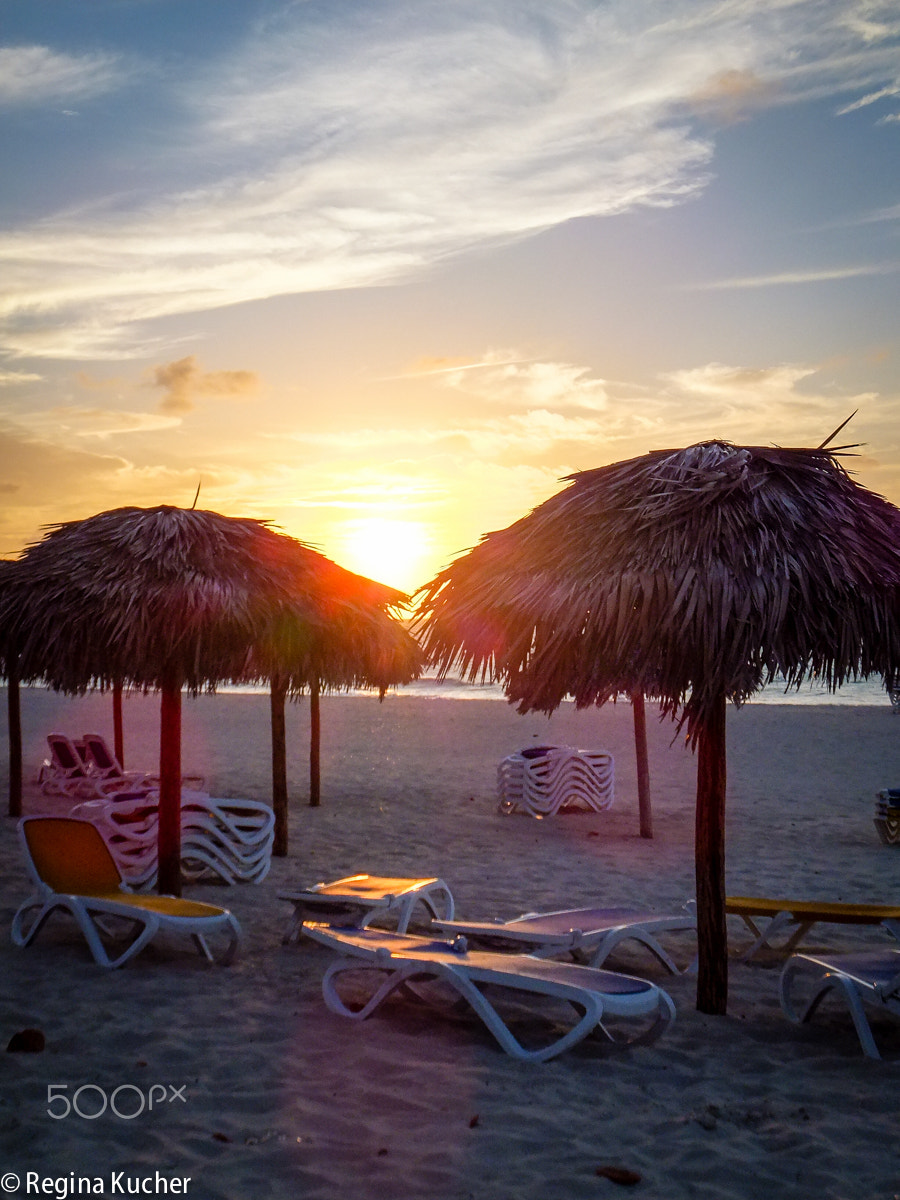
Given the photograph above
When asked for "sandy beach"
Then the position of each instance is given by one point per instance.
(279, 1097)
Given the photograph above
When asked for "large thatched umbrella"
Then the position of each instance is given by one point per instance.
(693, 576)
(166, 599)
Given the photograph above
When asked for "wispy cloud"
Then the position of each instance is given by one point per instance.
(359, 148)
(784, 278)
(529, 384)
(15, 378)
(36, 75)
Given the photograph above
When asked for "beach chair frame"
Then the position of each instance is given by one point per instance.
(860, 978)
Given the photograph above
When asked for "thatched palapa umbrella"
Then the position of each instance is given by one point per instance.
(363, 647)
(171, 599)
(693, 576)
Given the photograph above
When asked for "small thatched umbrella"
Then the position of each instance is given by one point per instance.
(693, 576)
(365, 647)
(166, 599)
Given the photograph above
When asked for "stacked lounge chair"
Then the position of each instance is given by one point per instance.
(542, 780)
(887, 816)
(226, 839)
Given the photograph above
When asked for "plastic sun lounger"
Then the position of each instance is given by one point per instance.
(589, 934)
(71, 774)
(73, 870)
(867, 977)
(358, 899)
(801, 915)
(406, 961)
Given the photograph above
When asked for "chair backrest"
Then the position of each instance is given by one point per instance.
(65, 755)
(69, 855)
(101, 755)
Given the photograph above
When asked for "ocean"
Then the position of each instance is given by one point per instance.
(860, 692)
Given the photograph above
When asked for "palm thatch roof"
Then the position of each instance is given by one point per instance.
(134, 594)
(167, 598)
(685, 574)
(693, 576)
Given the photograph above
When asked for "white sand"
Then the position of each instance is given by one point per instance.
(285, 1099)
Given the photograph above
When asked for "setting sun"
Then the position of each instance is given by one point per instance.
(393, 551)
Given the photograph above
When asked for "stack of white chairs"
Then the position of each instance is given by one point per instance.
(542, 780)
(887, 816)
(226, 839)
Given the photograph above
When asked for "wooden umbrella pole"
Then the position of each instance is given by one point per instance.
(118, 736)
(709, 853)
(277, 697)
(169, 870)
(643, 764)
(315, 743)
(14, 718)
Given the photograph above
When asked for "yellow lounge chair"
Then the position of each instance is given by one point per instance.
(73, 870)
(358, 899)
(799, 916)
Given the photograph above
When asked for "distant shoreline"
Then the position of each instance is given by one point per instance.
(863, 693)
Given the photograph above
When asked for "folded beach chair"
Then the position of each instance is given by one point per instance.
(589, 934)
(408, 962)
(357, 900)
(105, 766)
(73, 870)
(797, 917)
(865, 978)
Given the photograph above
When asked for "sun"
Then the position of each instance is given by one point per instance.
(391, 550)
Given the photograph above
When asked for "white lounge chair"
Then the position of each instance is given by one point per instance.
(588, 934)
(73, 870)
(405, 961)
(358, 900)
(862, 978)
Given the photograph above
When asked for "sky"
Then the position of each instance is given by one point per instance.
(384, 272)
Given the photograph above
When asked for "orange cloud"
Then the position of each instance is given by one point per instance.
(184, 382)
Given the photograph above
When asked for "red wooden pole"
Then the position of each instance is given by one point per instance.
(14, 718)
(118, 739)
(315, 743)
(709, 856)
(169, 874)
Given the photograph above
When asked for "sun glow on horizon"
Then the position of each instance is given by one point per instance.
(392, 550)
